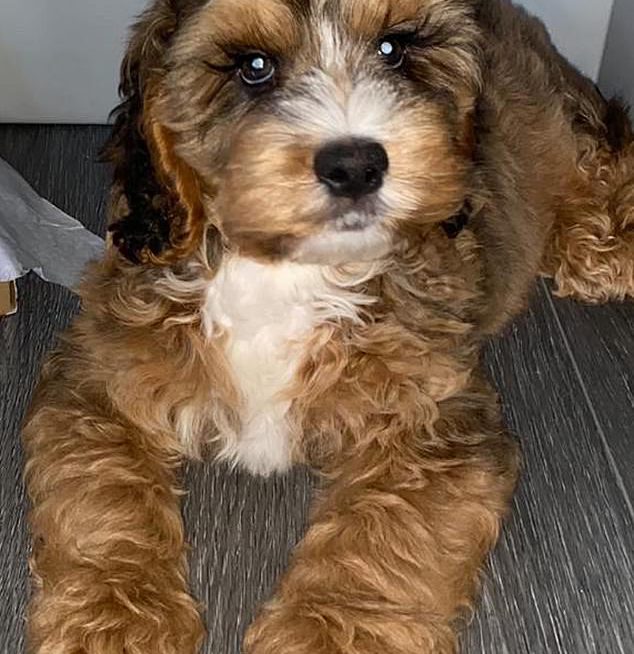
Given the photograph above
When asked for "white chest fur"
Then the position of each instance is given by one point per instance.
(267, 312)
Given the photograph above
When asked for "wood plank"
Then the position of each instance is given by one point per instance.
(242, 530)
(600, 341)
(561, 581)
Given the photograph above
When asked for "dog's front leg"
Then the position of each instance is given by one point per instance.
(393, 555)
(108, 541)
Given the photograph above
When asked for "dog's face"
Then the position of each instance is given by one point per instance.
(321, 131)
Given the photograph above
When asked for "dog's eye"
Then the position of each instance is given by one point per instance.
(256, 68)
(391, 51)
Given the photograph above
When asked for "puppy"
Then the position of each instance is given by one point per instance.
(320, 210)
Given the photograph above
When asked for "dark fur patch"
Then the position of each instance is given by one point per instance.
(617, 124)
(456, 224)
(146, 225)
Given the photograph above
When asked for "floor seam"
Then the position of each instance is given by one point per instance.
(584, 389)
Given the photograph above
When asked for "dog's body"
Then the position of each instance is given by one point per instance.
(280, 308)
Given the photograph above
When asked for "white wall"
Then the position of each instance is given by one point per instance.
(579, 28)
(59, 58)
(617, 70)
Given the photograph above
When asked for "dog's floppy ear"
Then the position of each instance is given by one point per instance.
(157, 214)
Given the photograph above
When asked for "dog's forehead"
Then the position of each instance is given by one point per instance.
(294, 24)
(364, 15)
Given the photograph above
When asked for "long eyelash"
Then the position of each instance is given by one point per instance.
(416, 34)
(405, 37)
(220, 68)
(406, 29)
(237, 58)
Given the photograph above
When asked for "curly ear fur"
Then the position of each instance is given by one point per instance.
(157, 215)
(591, 254)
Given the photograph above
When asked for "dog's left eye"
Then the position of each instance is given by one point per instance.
(391, 51)
(256, 69)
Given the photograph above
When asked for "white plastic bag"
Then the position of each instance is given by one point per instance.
(35, 235)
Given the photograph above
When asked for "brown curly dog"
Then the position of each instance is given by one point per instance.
(320, 211)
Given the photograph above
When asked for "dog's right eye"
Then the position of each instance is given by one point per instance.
(391, 51)
(256, 68)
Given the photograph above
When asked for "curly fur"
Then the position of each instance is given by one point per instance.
(504, 163)
(591, 255)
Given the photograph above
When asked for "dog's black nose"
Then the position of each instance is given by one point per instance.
(352, 168)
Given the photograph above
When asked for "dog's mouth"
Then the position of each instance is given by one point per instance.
(355, 216)
(352, 233)
(353, 221)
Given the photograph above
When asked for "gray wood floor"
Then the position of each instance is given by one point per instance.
(560, 582)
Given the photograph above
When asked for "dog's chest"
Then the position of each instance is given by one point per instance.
(267, 314)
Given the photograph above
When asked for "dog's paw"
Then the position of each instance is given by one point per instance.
(333, 628)
(139, 239)
(287, 631)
